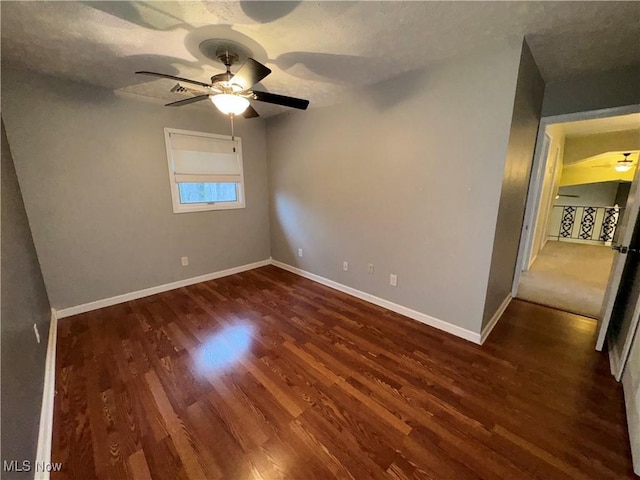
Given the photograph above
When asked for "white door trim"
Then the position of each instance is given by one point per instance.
(527, 235)
(45, 432)
(534, 192)
(555, 180)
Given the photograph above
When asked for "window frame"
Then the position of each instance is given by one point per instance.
(179, 207)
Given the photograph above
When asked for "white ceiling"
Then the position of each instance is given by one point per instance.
(317, 50)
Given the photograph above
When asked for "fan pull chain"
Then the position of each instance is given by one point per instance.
(233, 138)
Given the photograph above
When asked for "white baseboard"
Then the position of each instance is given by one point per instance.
(486, 331)
(407, 312)
(43, 451)
(125, 297)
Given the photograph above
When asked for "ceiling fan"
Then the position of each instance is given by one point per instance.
(623, 165)
(231, 93)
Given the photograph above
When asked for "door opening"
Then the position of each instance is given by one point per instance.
(583, 195)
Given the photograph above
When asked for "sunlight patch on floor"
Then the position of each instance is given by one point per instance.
(223, 349)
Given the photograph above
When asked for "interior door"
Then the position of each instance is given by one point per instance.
(626, 230)
(626, 312)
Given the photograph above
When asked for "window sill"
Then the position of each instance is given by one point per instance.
(207, 207)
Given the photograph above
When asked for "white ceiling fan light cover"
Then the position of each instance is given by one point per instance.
(230, 104)
(623, 167)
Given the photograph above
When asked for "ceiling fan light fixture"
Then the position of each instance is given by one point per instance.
(230, 104)
(623, 167)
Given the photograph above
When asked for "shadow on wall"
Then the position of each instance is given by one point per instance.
(389, 93)
(285, 210)
(71, 91)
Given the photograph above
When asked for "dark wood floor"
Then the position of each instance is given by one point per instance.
(267, 375)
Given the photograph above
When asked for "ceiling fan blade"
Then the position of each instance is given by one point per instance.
(187, 101)
(250, 73)
(250, 112)
(281, 100)
(179, 79)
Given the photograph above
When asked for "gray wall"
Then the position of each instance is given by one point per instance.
(406, 177)
(622, 194)
(24, 302)
(601, 194)
(515, 184)
(93, 171)
(615, 88)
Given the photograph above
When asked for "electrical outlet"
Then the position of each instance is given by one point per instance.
(35, 329)
(184, 261)
(300, 252)
(393, 280)
(345, 266)
(370, 268)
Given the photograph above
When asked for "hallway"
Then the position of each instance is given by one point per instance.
(568, 276)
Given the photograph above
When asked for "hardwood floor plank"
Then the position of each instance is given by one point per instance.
(146, 415)
(209, 431)
(267, 375)
(292, 460)
(75, 442)
(345, 447)
(181, 438)
(284, 398)
(329, 459)
(234, 417)
(327, 377)
(99, 419)
(138, 467)
(163, 460)
(548, 457)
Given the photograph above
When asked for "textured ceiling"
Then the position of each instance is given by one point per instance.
(317, 50)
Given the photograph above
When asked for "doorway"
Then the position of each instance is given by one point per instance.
(583, 173)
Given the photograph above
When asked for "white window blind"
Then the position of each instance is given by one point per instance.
(205, 171)
(204, 159)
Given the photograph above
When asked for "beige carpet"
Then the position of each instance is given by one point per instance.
(568, 276)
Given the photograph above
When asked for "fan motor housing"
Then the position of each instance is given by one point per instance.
(221, 77)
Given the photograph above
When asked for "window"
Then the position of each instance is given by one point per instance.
(205, 171)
